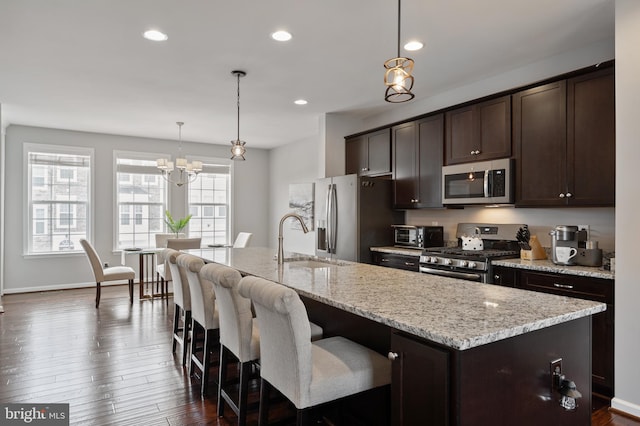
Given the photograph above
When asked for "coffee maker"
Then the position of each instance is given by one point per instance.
(566, 240)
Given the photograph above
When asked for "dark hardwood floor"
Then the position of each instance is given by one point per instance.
(114, 365)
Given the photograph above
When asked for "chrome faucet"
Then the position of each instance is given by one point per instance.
(304, 228)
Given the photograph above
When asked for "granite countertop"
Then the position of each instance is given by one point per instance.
(456, 313)
(547, 265)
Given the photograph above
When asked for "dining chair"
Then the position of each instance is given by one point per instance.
(110, 273)
(182, 304)
(204, 318)
(242, 240)
(307, 373)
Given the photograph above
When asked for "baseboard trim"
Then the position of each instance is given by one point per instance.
(57, 287)
(625, 407)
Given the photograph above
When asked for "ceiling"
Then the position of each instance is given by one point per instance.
(84, 65)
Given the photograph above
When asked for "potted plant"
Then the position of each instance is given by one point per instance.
(176, 225)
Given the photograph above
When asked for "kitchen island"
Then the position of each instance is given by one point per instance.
(466, 353)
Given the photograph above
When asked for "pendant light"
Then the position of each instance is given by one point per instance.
(184, 172)
(397, 77)
(237, 149)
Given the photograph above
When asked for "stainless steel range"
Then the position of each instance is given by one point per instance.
(478, 245)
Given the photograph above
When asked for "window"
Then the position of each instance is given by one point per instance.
(209, 203)
(58, 197)
(141, 200)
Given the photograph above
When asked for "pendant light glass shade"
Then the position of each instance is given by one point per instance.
(397, 77)
(237, 146)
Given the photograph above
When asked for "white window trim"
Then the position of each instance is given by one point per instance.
(231, 214)
(136, 155)
(26, 224)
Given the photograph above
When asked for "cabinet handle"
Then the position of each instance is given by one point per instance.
(392, 356)
(569, 195)
(496, 277)
(384, 260)
(409, 263)
(473, 153)
(563, 286)
(415, 201)
(561, 195)
(477, 152)
(364, 169)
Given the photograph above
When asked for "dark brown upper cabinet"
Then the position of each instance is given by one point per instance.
(417, 163)
(564, 137)
(369, 154)
(479, 132)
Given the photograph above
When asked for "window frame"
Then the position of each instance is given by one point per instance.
(209, 163)
(29, 223)
(135, 155)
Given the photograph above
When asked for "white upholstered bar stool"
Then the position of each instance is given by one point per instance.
(182, 303)
(163, 274)
(204, 316)
(307, 373)
(239, 335)
(163, 270)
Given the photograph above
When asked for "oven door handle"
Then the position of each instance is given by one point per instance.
(487, 184)
(452, 274)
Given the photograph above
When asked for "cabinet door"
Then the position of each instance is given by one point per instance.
(430, 145)
(494, 128)
(539, 135)
(461, 140)
(398, 261)
(591, 139)
(405, 165)
(419, 383)
(379, 153)
(355, 155)
(504, 276)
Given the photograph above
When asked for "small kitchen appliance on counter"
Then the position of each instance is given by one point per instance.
(485, 242)
(418, 237)
(565, 242)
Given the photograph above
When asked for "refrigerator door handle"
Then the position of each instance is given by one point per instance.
(332, 212)
(327, 237)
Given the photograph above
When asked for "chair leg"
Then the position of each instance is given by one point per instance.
(222, 377)
(206, 362)
(245, 373)
(97, 294)
(185, 336)
(194, 340)
(263, 411)
(302, 417)
(131, 291)
(176, 328)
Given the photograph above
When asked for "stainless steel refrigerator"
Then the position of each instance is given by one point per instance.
(353, 214)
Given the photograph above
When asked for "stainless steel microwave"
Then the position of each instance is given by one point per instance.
(486, 182)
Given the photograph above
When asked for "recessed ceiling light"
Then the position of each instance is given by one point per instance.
(413, 45)
(281, 36)
(300, 102)
(155, 35)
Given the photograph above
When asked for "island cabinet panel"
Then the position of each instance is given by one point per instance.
(420, 382)
(479, 132)
(600, 290)
(417, 163)
(369, 154)
(509, 382)
(504, 276)
(564, 138)
(399, 261)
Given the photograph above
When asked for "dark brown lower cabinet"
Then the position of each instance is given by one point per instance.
(600, 290)
(408, 263)
(419, 384)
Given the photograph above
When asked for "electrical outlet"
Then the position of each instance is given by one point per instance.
(555, 371)
(585, 227)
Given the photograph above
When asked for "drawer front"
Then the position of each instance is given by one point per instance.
(595, 289)
(409, 263)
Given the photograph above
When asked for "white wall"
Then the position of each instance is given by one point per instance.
(250, 200)
(293, 163)
(627, 294)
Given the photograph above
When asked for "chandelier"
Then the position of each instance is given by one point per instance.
(237, 147)
(397, 77)
(183, 172)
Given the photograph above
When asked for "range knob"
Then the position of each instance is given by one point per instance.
(447, 262)
(472, 265)
(463, 263)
